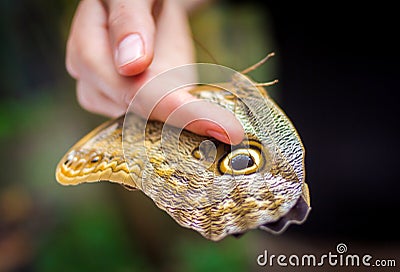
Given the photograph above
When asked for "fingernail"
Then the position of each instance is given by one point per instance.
(129, 50)
(218, 135)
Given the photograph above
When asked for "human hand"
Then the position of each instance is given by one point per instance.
(115, 46)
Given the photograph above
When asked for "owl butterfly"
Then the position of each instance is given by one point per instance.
(203, 184)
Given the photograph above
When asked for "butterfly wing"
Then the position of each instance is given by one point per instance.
(208, 198)
(97, 157)
(282, 177)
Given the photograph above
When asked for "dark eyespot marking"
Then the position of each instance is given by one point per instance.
(241, 162)
(244, 159)
(95, 158)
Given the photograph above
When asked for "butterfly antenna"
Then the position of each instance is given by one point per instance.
(258, 64)
(207, 52)
(267, 84)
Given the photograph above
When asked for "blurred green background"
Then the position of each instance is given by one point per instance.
(47, 227)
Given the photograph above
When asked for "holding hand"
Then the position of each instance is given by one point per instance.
(115, 46)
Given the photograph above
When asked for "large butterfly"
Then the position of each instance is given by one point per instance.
(203, 184)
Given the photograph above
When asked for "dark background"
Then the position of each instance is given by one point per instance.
(339, 75)
(337, 66)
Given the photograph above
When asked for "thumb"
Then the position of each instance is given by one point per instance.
(131, 29)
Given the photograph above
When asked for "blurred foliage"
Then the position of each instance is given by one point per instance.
(32, 49)
(93, 239)
(236, 36)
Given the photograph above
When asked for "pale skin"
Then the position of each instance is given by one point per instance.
(116, 46)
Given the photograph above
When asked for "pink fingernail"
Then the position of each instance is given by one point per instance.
(129, 50)
(218, 135)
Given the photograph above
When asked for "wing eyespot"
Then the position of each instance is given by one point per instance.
(243, 160)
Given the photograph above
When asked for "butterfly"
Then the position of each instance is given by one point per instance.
(211, 187)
